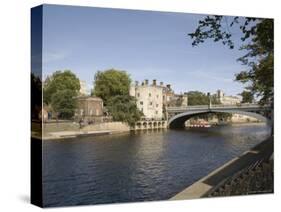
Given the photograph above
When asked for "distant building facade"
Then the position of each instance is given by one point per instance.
(89, 109)
(83, 88)
(227, 100)
(154, 99)
(149, 99)
(168, 95)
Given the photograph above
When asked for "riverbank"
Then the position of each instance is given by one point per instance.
(67, 129)
(63, 130)
(251, 173)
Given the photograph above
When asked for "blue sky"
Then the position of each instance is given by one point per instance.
(147, 44)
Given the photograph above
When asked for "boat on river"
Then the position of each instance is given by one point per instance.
(198, 124)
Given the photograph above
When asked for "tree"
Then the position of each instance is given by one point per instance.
(123, 108)
(247, 97)
(36, 96)
(60, 91)
(199, 98)
(113, 87)
(257, 39)
(64, 103)
(110, 83)
(60, 81)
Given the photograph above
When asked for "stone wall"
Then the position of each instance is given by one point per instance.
(112, 126)
(106, 126)
(60, 126)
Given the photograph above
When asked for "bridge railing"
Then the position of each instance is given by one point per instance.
(195, 107)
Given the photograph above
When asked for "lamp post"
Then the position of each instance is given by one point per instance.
(210, 103)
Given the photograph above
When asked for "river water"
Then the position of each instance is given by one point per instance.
(139, 166)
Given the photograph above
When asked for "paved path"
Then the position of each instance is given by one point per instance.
(73, 134)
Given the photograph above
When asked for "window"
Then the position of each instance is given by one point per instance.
(157, 96)
(157, 105)
(138, 94)
(156, 112)
(141, 103)
(149, 94)
(150, 103)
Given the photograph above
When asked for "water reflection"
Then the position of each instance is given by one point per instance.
(151, 165)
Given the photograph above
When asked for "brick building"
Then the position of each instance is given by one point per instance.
(89, 109)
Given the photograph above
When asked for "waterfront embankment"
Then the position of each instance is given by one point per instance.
(251, 173)
(67, 129)
(54, 131)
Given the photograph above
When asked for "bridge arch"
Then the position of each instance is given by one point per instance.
(178, 120)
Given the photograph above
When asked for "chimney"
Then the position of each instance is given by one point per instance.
(146, 82)
(161, 83)
(169, 86)
(136, 83)
(154, 82)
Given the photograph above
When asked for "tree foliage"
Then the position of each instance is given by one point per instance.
(257, 38)
(111, 83)
(64, 103)
(59, 81)
(199, 98)
(113, 87)
(247, 97)
(60, 91)
(123, 108)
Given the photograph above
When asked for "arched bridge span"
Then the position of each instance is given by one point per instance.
(179, 115)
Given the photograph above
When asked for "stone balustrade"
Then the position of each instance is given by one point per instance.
(146, 125)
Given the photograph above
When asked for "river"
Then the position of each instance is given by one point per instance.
(139, 166)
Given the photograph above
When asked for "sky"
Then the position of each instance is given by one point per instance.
(146, 44)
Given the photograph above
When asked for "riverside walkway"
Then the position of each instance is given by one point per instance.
(220, 181)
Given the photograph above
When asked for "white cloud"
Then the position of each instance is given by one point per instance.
(54, 56)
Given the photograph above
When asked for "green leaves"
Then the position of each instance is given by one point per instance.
(64, 103)
(199, 98)
(60, 81)
(123, 108)
(113, 87)
(111, 83)
(247, 97)
(258, 33)
(60, 91)
(211, 28)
